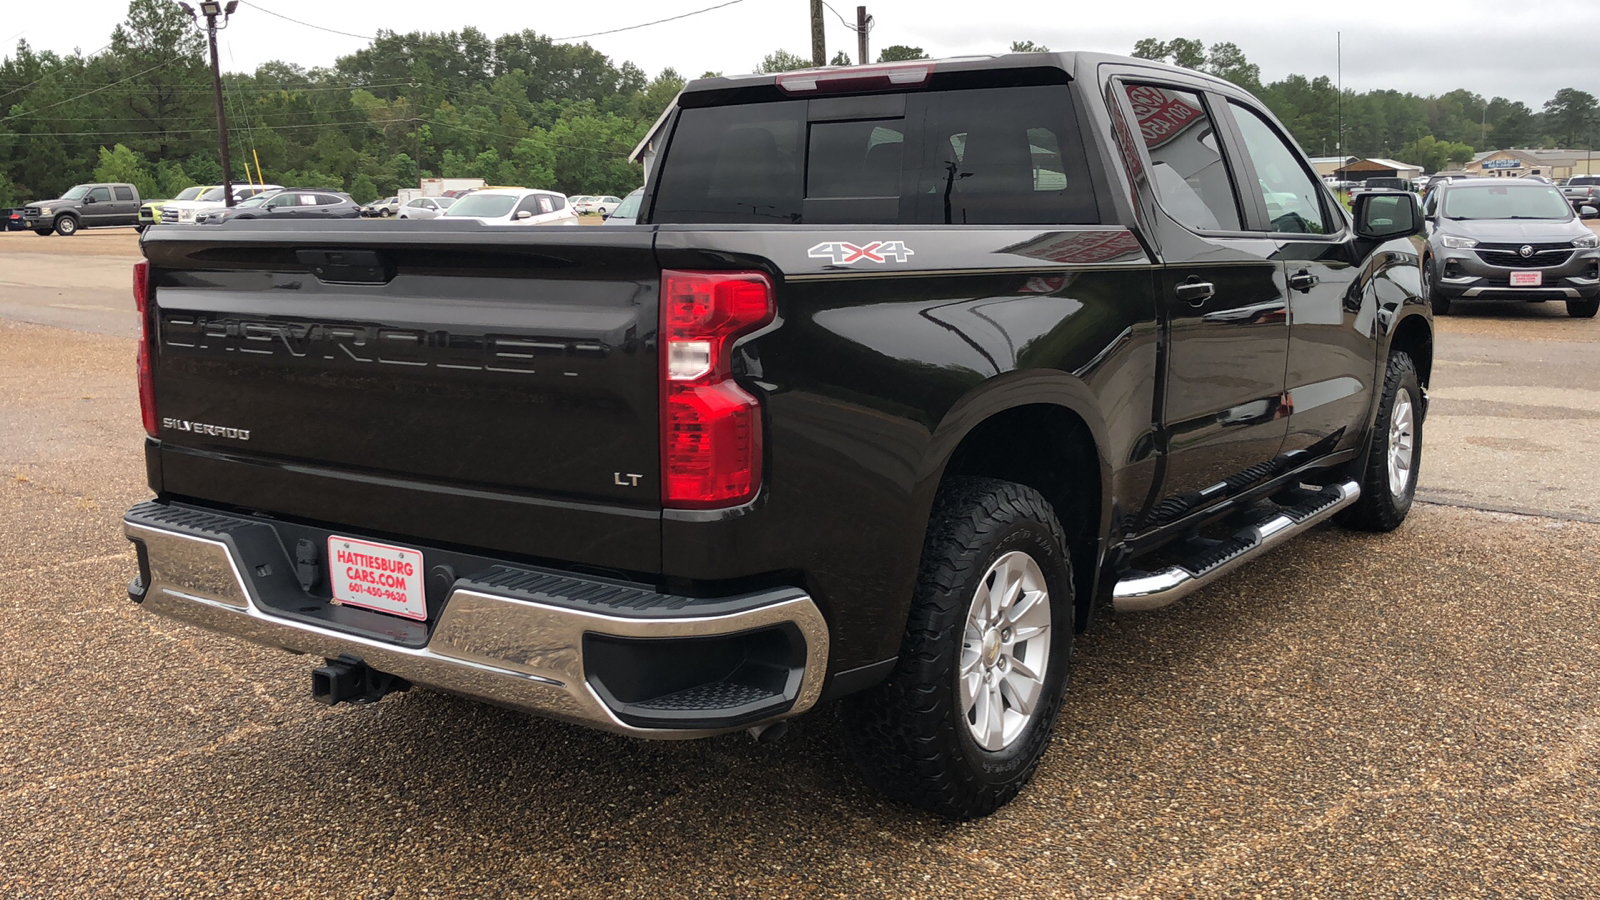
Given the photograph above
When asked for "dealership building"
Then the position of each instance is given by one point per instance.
(1556, 165)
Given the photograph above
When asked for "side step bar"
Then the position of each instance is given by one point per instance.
(1141, 591)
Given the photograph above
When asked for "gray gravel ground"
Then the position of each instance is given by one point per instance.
(1405, 715)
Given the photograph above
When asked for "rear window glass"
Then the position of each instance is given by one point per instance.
(1584, 179)
(970, 157)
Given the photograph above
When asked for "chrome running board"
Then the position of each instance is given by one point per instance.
(1140, 591)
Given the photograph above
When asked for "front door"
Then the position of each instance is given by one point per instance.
(1331, 317)
(97, 208)
(1223, 306)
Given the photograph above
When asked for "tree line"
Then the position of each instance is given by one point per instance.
(524, 109)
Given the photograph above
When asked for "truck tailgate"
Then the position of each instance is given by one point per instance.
(441, 381)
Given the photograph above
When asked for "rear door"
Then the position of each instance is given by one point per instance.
(1222, 299)
(124, 205)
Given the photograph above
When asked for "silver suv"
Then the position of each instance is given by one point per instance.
(1505, 239)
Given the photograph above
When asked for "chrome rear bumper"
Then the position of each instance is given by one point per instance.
(487, 645)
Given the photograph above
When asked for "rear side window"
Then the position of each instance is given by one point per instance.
(124, 193)
(1186, 162)
(968, 157)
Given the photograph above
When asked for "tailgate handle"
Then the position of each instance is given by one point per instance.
(346, 266)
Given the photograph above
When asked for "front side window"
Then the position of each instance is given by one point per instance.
(1186, 166)
(99, 194)
(1294, 205)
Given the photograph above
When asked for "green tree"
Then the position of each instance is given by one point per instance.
(782, 61)
(1185, 52)
(1227, 61)
(1570, 117)
(1028, 47)
(119, 164)
(841, 59)
(900, 53)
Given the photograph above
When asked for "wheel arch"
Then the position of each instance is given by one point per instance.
(1043, 430)
(1413, 335)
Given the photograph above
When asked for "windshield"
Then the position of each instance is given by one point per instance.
(212, 195)
(1526, 201)
(483, 206)
(445, 202)
(630, 206)
(189, 193)
(76, 193)
(257, 200)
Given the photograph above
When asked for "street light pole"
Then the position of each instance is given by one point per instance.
(211, 9)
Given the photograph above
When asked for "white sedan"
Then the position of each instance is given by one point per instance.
(514, 206)
(426, 207)
(605, 206)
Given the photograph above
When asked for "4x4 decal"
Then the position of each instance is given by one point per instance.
(846, 254)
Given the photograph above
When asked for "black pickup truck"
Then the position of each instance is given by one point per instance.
(905, 371)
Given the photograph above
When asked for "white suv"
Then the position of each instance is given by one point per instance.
(514, 206)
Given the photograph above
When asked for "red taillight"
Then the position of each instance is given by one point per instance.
(710, 427)
(147, 383)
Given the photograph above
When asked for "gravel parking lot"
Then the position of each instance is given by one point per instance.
(1415, 714)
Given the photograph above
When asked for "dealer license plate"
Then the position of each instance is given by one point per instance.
(1527, 279)
(377, 576)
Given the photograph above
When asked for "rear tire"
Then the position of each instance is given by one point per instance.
(66, 226)
(961, 724)
(1583, 309)
(43, 232)
(1430, 291)
(1394, 452)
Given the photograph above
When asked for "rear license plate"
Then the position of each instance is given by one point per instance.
(377, 576)
(1527, 279)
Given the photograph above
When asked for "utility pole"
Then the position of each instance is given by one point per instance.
(862, 19)
(819, 47)
(211, 9)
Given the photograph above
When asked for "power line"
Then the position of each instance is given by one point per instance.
(173, 131)
(364, 37)
(97, 90)
(648, 24)
(847, 22)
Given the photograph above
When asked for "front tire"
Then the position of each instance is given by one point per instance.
(66, 226)
(1394, 452)
(961, 724)
(1430, 291)
(1583, 309)
(43, 232)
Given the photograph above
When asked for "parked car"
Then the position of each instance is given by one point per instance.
(150, 211)
(628, 212)
(426, 207)
(388, 206)
(514, 206)
(596, 205)
(289, 203)
(1508, 239)
(1583, 192)
(184, 212)
(84, 206)
(846, 426)
(12, 220)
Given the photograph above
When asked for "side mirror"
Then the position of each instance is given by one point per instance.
(523, 214)
(1589, 212)
(90, 199)
(1382, 217)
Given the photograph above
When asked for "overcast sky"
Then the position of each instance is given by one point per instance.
(1524, 51)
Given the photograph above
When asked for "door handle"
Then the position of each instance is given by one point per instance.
(1302, 281)
(1195, 292)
